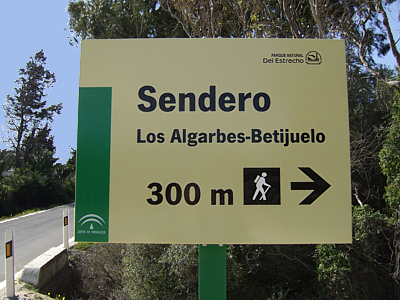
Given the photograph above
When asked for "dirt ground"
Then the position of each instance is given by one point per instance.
(24, 291)
(28, 294)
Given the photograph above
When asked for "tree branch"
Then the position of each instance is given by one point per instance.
(166, 6)
(358, 198)
(294, 258)
(316, 15)
(292, 24)
(361, 51)
(385, 20)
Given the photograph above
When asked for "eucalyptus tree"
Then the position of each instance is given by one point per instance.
(112, 19)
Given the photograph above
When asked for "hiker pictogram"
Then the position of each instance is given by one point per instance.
(261, 186)
(260, 183)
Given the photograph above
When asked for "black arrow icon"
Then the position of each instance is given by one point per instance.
(318, 185)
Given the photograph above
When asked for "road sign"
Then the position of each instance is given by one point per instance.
(213, 141)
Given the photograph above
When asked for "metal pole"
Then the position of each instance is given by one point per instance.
(65, 226)
(9, 256)
(212, 272)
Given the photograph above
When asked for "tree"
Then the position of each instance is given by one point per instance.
(363, 41)
(363, 23)
(390, 160)
(369, 102)
(28, 119)
(37, 181)
(390, 163)
(106, 19)
(6, 159)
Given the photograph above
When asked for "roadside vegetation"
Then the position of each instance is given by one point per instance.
(30, 176)
(25, 212)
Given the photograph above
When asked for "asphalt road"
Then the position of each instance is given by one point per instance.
(34, 234)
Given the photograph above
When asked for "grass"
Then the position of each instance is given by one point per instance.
(83, 246)
(26, 212)
(30, 287)
(29, 211)
(37, 291)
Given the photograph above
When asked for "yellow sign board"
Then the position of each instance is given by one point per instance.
(214, 141)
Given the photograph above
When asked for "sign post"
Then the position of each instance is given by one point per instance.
(212, 272)
(9, 257)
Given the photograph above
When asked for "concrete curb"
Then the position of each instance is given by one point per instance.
(40, 271)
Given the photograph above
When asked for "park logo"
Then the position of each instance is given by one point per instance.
(261, 186)
(313, 58)
(93, 220)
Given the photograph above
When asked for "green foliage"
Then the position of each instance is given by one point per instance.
(98, 271)
(160, 271)
(271, 272)
(29, 189)
(333, 267)
(390, 164)
(257, 18)
(6, 160)
(40, 183)
(369, 116)
(148, 271)
(390, 159)
(105, 19)
(361, 270)
(253, 272)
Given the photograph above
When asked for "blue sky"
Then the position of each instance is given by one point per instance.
(26, 27)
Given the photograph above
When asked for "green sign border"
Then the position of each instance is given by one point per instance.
(93, 164)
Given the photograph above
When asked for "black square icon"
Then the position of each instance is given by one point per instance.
(261, 186)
